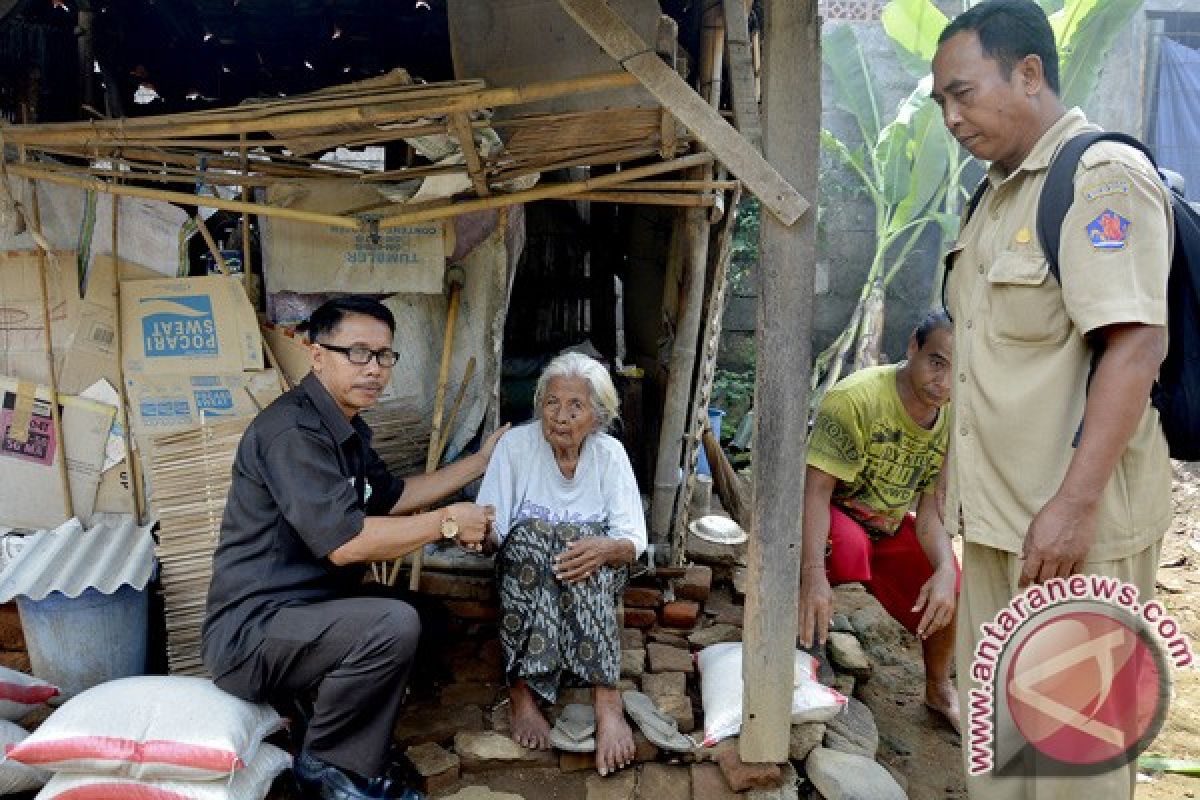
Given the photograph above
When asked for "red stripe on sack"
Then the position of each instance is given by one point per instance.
(111, 748)
(28, 695)
(118, 791)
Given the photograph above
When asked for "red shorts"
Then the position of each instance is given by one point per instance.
(892, 568)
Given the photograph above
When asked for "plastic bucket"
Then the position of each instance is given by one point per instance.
(79, 642)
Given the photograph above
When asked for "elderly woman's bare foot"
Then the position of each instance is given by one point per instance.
(941, 697)
(614, 738)
(529, 727)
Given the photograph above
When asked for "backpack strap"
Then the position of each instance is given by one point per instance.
(1058, 192)
(972, 203)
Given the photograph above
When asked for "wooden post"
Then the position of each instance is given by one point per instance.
(792, 115)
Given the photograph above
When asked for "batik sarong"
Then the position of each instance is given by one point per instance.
(556, 634)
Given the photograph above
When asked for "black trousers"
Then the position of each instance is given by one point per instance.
(355, 655)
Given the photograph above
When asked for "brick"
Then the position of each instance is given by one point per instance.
(640, 618)
(643, 749)
(487, 750)
(642, 597)
(629, 685)
(709, 784)
(742, 776)
(680, 614)
(664, 658)
(12, 635)
(633, 663)
(457, 587)
(575, 694)
(473, 610)
(679, 708)
(469, 694)
(664, 782)
(437, 767)
(696, 584)
(576, 762)
(664, 684)
(420, 724)
(476, 670)
(632, 639)
(673, 638)
(618, 786)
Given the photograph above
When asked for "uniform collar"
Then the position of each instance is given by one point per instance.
(1039, 158)
(331, 414)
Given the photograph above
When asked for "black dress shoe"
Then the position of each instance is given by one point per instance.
(320, 780)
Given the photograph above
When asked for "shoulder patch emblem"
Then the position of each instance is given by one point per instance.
(1108, 231)
(1105, 189)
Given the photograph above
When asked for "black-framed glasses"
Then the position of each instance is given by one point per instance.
(360, 355)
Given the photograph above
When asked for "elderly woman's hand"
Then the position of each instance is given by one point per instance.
(583, 557)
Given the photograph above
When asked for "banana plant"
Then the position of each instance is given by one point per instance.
(908, 164)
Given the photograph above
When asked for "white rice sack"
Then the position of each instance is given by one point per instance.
(251, 783)
(150, 728)
(21, 693)
(721, 691)
(16, 777)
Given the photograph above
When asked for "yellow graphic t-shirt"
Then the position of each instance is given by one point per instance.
(882, 459)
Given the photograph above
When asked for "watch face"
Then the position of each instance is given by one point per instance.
(449, 529)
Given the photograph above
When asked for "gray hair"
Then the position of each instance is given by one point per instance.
(603, 394)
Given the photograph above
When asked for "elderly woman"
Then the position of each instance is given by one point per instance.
(569, 518)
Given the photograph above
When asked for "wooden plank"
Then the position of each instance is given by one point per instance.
(460, 127)
(680, 199)
(792, 115)
(741, 72)
(705, 122)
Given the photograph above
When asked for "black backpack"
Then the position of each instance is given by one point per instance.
(1176, 393)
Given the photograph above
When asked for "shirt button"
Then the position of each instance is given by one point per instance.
(962, 377)
(981, 269)
(970, 324)
(963, 430)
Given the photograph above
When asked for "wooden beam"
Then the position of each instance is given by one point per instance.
(792, 116)
(741, 72)
(706, 124)
(460, 127)
(678, 199)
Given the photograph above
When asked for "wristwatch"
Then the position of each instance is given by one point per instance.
(449, 528)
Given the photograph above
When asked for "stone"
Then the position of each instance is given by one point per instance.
(640, 618)
(680, 614)
(500, 719)
(482, 793)
(469, 694)
(679, 708)
(664, 782)
(715, 634)
(419, 724)
(844, 776)
(643, 749)
(632, 639)
(841, 623)
(486, 750)
(709, 784)
(847, 654)
(437, 767)
(628, 685)
(642, 597)
(707, 552)
(696, 584)
(803, 738)
(633, 663)
(845, 684)
(664, 684)
(724, 612)
(664, 658)
(669, 637)
(742, 776)
(787, 790)
(740, 579)
(620, 785)
(853, 731)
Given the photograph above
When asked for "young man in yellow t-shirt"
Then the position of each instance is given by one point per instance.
(877, 447)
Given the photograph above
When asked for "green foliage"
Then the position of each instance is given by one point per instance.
(733, 391)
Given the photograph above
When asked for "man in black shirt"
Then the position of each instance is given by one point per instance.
(311, 504)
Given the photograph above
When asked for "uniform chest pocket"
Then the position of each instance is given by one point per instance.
(1025, 301)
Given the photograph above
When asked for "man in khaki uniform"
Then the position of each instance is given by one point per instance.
(1034, 502)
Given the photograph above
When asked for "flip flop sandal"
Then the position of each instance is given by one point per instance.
(661, 729)
(575, 729)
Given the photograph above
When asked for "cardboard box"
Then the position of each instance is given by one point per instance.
(189, 326)
(31, 490)
(291, 351)
(22, 323)
(161, 403)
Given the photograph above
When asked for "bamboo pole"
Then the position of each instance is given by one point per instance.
(247, 261)
(212, 244)
(122, 414)
(458, 401)
(680, 186)
(460, 128)
(545, 192)
(55, 417)
(649, 199)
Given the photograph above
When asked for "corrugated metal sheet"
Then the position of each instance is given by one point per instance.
(112, 553)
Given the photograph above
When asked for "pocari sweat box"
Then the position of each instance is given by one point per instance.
(189, 326)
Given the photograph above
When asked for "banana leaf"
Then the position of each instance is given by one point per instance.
(929, 155)
(1085, 30)
(893, 163)
(854, 87)
(913, 27)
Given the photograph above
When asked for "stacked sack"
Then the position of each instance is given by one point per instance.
(19, 695)
(155, 738)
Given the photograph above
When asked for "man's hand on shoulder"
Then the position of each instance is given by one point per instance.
(489, 444)
(1058, 540)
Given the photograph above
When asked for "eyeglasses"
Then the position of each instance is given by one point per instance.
(360, 355)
